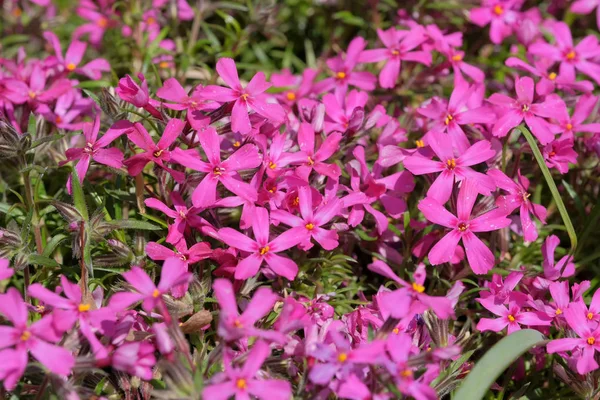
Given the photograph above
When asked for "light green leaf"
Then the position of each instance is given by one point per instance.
(495, 361)
(78, 196)
(37, 259)
(132, 224)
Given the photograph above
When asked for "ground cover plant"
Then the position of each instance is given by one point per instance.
(299, 199)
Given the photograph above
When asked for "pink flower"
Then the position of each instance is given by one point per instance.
(297, 88)
(262, 249)
(242, 382)
(573, 125)
(72, 58)
(95, 149)
(17, 340)
(342, 69)
(588, 340)
(511, 317)
(174, 272)
(501, 15)
(232, 325)
(453, 169)
(564, 268)
(309, 225)
(154, 152)
(5, 271)
(35, 93)
(132, 93)
(559, 154)
(523, 108)
(226, 172)
(316, 159)
(193, 103)
(399, 45)
(184, 217)
(250, 97)
(345, 114)
(135, 358)
(499, 290)
(571, 57)
(450, 118)
(480, 257)
(518, 197)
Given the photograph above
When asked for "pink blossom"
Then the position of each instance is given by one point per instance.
(184, 217)
(192, 103)
(481, 258)
(570, 126)
(250, 97)
(5, 271)
(262, 249)
(453, 169)
(510, 316)
(131, 92)
(297, 87)
(501, 15)
(315, 160)
(345, 114)
(72, 58)
(559, 153)
(35, 93)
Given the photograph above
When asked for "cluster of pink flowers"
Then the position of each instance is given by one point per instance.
(265, 184)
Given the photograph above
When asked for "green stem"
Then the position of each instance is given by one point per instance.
(551, 185)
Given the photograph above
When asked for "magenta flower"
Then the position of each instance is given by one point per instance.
(35, 93)
(588, 341)
(499, 290)
(174, 272)
(241, 383)
(564, 268)
(453, 169)
(226, 172)
(580, 57)
(38, 338)
(345, 114)
(262, 249)
(250, 97)
(342, 69)
(128, 90)
(463, 227)
(309, 225)
(277, 159)
(297, 87)
(184, 217)
(523, 108)
(193, 103)
(100, 17)
(511, 317)
(501, 15)
(135, 358)
(573, 125)
(450, 118)
(316, 159)
(399, 45)
(154, 152)
(67, 310)
(95, 149)
(518, 197)
(72, 58)
(5, 271)
(232, 325)
(559, 153)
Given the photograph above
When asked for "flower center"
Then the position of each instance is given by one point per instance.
(569, 127)
(182, 214)
(245, 96)
(296, 201)
(552, 153)
(89, 148)
(340, 75)
(396, 331)
(448, 119)
(419, 143)
(571, 55)
(525, 108)
(264, 250)
(165, 65)
(552, 76)
(151, 20)
(156, 293)
(526, 196)
(498, 9)
(157, 153)
(32, 94)
(17, 12)
(418, 288)
(272, 189)
(218, 171)
(183, 257)
(102, 22)
(58, 119)
(237, 143)
(237, 323)
(463, 227)
(26, 335)
(310, 161)
(558, 311)
(272, 165)
(71, 66)
(457, 57)
(590, 315)
(395, 52)
(591, 341)
(406, 373)
(342, 357)
(291, 96)
(511, 318)
(241, 384)
(451, 163)
(84, 307)
(310, 226)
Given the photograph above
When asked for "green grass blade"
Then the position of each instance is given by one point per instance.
(495, 361)
(78, 196)
(555, 193)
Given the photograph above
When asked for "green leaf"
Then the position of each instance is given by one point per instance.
(555, 193)
(53, 243)
(78, 196)
(37, 259)
(495, 361)
(45, 139)
(31, 125)
(132, 224)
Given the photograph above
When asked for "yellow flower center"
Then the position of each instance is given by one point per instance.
(291, 96)
(395, 52)
(264, 250)
(569, 127)
(448, 119)
(58, 119)
(310, 161)
(342, 357)
(272, 165)
(457, 57)
(511, 318)
(396, 331)
(340, 75)
(418, 288)
(463, 227)
(525, 107)
(25, 336)
(157, 153)
(498, 10)
(84, 307)
(151, 20)
(218, 171)
(558, 311)
(310, 226)
(71, 66)
(237, 143)
(571, 55)
(156, 293)
(32, 94)
(451, 163)
(526, 196)
(591, 341)
(420, 143)
(102, 22)
(245, 96)
(406, 373)
(552, 76)
(165, 65)
(241, 384)
(590, 315)
(296, 201)
(237, 323)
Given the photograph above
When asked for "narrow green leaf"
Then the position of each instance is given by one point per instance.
(37, 259)
(78, 196)
(495, 361)
(132, 224)
(53, 243)
(31, 125)
(555, 193)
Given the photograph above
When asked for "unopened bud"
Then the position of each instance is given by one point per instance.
(197, 322)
